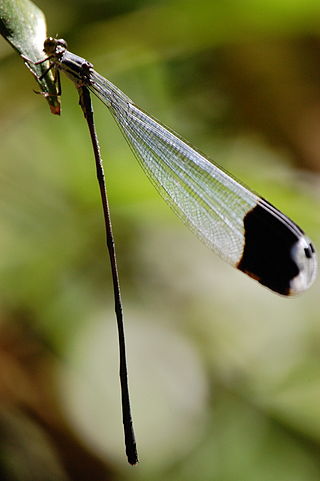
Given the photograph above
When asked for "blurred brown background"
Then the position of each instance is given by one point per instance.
(224, 374)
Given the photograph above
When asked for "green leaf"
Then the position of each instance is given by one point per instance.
(23, 25)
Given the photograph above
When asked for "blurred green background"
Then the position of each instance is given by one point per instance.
(224, 374)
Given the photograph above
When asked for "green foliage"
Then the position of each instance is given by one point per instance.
(23, 25)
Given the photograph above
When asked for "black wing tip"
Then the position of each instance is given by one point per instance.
(276, 252)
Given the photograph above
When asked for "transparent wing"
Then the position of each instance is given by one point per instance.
(206, 198)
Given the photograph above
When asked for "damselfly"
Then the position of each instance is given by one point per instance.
(240, 226)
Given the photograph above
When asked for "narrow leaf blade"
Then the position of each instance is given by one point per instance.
(23, 25)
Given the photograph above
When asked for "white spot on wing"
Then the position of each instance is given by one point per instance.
(307, 265)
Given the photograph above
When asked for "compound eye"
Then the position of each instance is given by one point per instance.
(50, 45)
(62, 43)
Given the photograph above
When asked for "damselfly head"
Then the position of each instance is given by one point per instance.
(54, 45)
